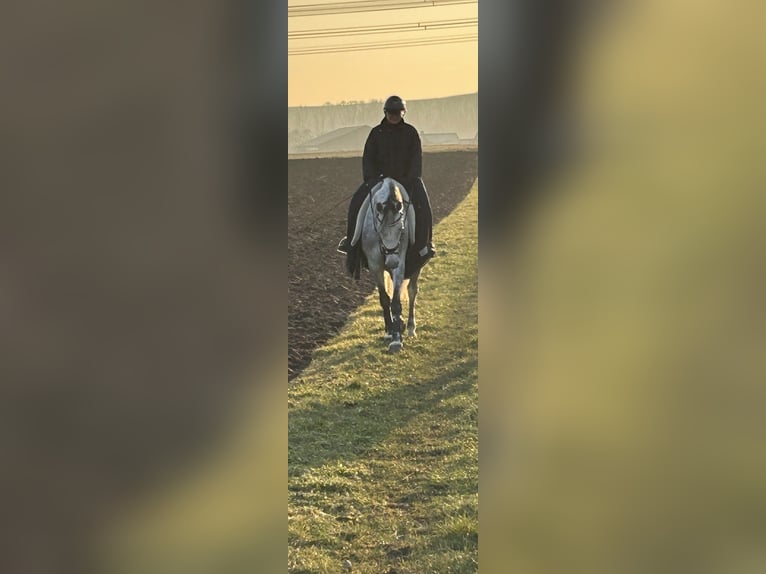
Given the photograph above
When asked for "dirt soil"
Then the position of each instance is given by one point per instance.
(321, 294)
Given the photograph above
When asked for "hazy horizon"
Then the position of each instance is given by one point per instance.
(380, 100)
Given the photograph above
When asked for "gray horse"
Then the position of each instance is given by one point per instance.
(386, 227)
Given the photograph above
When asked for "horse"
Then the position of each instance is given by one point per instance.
(386, 227)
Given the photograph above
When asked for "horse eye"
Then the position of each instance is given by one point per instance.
(379, 207)
(397, 206)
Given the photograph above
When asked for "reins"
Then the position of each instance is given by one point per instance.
(318, 219)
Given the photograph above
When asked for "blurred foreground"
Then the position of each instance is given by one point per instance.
(622, 328)
(140, 306)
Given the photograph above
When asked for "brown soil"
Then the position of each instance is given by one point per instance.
(321, 294)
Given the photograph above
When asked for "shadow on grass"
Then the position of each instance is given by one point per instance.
(355, 419)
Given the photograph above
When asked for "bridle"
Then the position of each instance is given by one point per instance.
(400, 220)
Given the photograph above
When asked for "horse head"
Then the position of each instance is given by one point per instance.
(391, 218)
(391, 213)
(387, 200)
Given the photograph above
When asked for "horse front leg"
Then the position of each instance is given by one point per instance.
(412, 292)
(396, 312)
(385, 305)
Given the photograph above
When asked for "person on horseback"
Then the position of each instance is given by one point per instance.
(393, 149)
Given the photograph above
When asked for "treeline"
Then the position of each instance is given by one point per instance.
(458, 114)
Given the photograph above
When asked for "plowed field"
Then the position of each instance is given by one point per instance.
(321, 294)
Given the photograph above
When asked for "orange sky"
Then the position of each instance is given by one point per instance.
(413, 72)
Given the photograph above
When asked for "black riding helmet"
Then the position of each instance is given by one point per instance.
(394, 103)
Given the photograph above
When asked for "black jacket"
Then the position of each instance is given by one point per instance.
(393, 150)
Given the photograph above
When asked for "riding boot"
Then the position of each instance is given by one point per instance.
(423, 222)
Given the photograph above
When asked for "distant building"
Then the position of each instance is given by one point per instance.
(438, 138)
(350, 138)
(474, 140)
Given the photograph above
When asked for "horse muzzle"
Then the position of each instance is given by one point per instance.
(392, 261)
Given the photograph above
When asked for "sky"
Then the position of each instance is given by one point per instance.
(411, 71)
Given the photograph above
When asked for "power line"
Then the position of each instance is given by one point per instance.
(382, 45)
(352, 7)
(383, 28)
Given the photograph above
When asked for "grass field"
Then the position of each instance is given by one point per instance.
(383, 449)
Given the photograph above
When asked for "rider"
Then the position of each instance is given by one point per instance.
(393, 149)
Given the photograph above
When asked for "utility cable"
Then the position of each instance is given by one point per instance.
(382, 45)
(339, 8)
(383, 28)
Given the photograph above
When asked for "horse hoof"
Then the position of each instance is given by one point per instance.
(395, 347)
(411, 333)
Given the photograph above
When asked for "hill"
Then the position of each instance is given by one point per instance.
(458, 114)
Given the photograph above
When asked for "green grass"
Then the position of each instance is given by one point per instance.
(383, 449)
